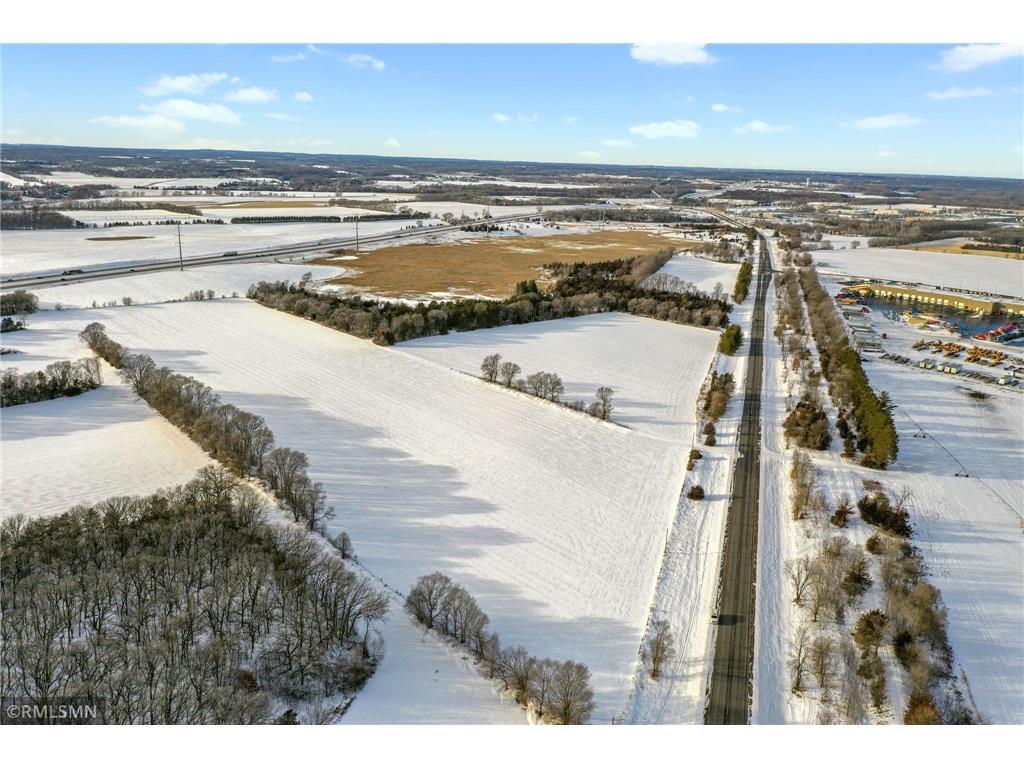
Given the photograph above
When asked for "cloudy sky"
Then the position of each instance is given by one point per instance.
(912, 108)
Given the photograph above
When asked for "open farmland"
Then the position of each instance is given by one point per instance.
(704, 274)
(40, 251)
(83, 449)
(490, 266)
(957, 246)
(173, 285)
(997, 276)
(428, 468)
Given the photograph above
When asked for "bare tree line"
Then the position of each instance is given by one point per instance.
(547, 386)
(240, 440)
(554, 691)
(61, 379)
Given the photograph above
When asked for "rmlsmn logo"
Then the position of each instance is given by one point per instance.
(54, 712)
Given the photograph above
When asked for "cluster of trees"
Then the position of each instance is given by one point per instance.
(582, 289)
(913, 621)
(555, 691)
(240, 440)
(9, 324)
(545, 385)
(730, 340)
(742, 287)
(871, 414)
(158, 222)
(635, 215)
(716, 399)
(482, 228)
(38, 217)
(184, 607)
(890, 515)
(807, 424)
(19, 302)
(61, 379)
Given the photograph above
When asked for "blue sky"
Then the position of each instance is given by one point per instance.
(899, 108)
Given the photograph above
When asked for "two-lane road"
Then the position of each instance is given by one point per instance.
(731, 684)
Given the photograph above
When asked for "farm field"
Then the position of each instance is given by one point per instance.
(427, 468)
(998, 276)
(957, 246)
(100, 218)
(704, 274)
(173, 285)
(83, 449)
(41, 251)
(490, 266)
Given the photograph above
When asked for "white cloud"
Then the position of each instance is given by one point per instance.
(285, 58)
(672, 55)
(191, 84)
(392, 142)
(518, 117)
(589, 154)
(759, 126)
(147, 123)
(724, 108)
(185, 109)
(881, 122)
(571, 119)
(364, 61)
(284, 117)
(303, 96)
(670, 129)
(617, 143)
(956, 92)
(252, 95)
(962, 58)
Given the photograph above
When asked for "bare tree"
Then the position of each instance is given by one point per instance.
(603, 406)
(489, 367)
(518, 671)
(572, 699)
(798, 658)
(823, 660)
(799, 572)
(661, 647)
(543, 681)
(508, 372)
(426, 596)
(136, 369)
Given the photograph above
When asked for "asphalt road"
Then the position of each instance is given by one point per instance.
(731, 685)
(42, 281)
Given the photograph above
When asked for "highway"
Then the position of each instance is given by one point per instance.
(731, 684)
(297, 249)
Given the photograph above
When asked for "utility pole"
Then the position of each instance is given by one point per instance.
(181, 261)
(357, 233)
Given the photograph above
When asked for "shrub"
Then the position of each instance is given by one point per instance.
(876, 509)
(694, 456)
(921, 710)
(807, 426)
(874, 544)
(730, 340)
(696, 492)
(842, 514)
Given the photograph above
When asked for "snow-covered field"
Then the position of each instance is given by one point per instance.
(171, 285)
(41, 251)
(101, 218)
(953, 271)
(77, 179)
(703, 273)
(554, 521)
(83, 449)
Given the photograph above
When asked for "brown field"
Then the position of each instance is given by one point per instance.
(489, 266)
(958, 248)
(123, 237)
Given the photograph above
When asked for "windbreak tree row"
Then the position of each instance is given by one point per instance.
(240, 440)
(61, 379)
(554, 691)
(581, 289)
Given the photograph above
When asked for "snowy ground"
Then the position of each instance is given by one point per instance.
(424, 680)
(100, 218)
(32, 252)
(554, 521)
(703, 273)
(228, 211)
(998, 276)
(83, 449)
(172, 285)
